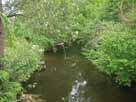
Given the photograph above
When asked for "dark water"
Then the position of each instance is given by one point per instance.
(71, 78)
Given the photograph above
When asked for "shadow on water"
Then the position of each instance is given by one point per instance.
(71, 78)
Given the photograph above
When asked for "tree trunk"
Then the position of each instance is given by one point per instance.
(1, 32)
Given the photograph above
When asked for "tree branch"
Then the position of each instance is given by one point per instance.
(14, 15)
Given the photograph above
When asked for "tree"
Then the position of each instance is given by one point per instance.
(1, 33)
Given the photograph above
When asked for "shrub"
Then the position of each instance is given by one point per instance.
(20, 61)
(8, 90)
(115, 54)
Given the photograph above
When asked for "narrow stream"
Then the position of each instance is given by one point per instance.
(71, 78)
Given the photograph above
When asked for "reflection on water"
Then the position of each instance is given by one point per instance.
(76, 94)
(71, 78)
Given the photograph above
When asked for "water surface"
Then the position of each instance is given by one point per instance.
(70, 77)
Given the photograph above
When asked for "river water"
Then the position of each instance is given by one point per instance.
(70, 77)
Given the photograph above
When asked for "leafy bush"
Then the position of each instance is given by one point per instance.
(9, 93)
(22, 31)
(21, 57)
(115, 54)
(20, 61)
(8, 89)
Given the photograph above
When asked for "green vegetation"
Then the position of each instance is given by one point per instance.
(114, 44)
(115, 54)
(104, 28)
(20, 61)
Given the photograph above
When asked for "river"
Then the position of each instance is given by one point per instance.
(70, 77)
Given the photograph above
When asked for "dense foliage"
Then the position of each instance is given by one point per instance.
(114, 44)
(104, 28)
(115, 54)
(20, 61)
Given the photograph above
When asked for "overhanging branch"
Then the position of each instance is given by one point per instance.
(14, 15)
